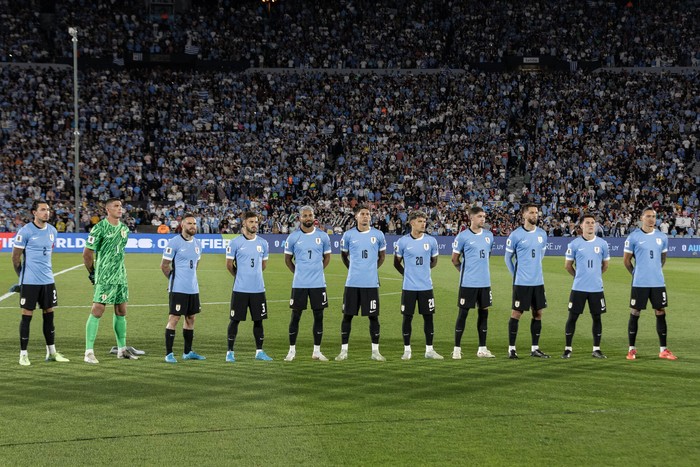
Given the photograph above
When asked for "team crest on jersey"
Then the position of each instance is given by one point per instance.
(196, 250)
(596, 249)
(259, 248)
(540, 239)
(177, 307)
(318, 240)
(124, 233)
(633, 302)
(487, 240)
(426, 246)
(291, 301)
(104, 296)
(373, 240)
(658, 241)
(22, 301)
(571, 305)
(462, 301)
(517, 303)
(51, 237)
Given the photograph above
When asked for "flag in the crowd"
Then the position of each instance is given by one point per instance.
(191, 49)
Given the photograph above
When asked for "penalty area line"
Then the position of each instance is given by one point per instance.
(9, 294)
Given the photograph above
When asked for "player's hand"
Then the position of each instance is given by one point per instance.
(91, 276)
(15, 288)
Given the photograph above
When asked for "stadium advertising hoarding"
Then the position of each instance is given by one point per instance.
(217, 243)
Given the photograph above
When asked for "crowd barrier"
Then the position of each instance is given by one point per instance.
(216, 243)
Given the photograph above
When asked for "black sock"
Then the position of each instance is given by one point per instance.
(294, 326)
(232, 332)
(48, 328)
(632, 329)
(259, 334)
(535, 330)
(374, 329)
(24, 331)
(406, 329)
(345, 328)
(459, 326)
(482, 326)
(428, 328)
(597, 329)
(512, 330)
(318, 326)
(570, 328)
(661, 329)
(188, 336)
(169, 340)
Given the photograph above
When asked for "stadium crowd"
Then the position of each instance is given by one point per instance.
(362, 33)
(170, 141)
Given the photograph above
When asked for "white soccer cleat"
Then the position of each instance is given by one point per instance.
(485, 354)
(456, 355)
(319, 356)
(433, 355)
(126, 355)
(24, 360)
(343, 355)
(377, 357)
(290, 356)
(90, 358)
(406, 355)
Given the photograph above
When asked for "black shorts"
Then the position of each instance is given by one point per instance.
(43, 295)
(469, 297)
(529, 297)
(242, 301)
(425, 299)
(641, 295)
(317, 297)
(578, 299)
(184, 304)
(355, 298)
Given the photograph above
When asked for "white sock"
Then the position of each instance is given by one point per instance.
(293, 348)
(511, 347)
(632, 348)
(258, 351)
(317, 349)
(344, 347)
(23, 352)
(428, 348)
(50, 349)
(375, 347)
(571, 349)
(596, 347)
(661, 349)
(534, 347)
(457, 349)
(482, 349)
(87, 351)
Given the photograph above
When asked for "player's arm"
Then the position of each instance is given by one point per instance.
(433, 261)
(165, 266)
(17, 260)
(509, 262)
(663, 259)
(345, 256)
(604, 266)
(231, 266)
(457, 260)
(569, 266)
(398, 264)
(89, 260)
(326, 259)
(288, 260)
(380, 259)
(264, 264)
(627, 261)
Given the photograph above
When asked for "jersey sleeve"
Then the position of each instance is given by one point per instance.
(569, 255)
(231, 250)
(326, 243)
(458, 244)
(544, 243)
(490, 243)
(606, 251)
(95, 237)
(289, 245)
(629, 245)
(22, 238)
(434, 251)
(664, 244)
(170, 250)
(382, 241)
(510, 243)
(344, 242)
(398, 248)
(266, 249)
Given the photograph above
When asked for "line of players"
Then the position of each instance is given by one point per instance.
(307, 253)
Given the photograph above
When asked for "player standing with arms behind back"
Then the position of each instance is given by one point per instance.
(648, 247)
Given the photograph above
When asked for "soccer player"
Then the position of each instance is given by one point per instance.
(246, 259)
(307, 252)
(363, 250)
(648, 247)
(103, 257)
(471, 252)
(179, 265)
(590, 255)
(415, 255)
(525, 249)
(36, 282)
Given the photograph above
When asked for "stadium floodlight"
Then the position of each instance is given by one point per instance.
(76, 130)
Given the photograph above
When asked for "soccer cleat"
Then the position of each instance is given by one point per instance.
(513, 355)
(263, 356)
(632, 354)
(124, 354)
(170, 358)
(485, 354)
(343, 355)
(229, 356)
(433, 355)
(56, 357)
(319, 356)
(131, 349)
(192, 355)
(377, 357)
(456, 355)
(598, 354)
(290, 356)
(567, 354)
(537, 353)
(668, 355)
(90, 358)
(24, 360)
(406, 355)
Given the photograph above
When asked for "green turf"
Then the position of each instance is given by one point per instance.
(359, 412)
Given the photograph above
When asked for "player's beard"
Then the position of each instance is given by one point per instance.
(308, 224)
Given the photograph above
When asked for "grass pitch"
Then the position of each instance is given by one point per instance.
(580, 411)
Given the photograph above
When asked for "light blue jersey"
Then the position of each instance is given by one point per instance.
(588, 255)
(527, 248)
(416, 254)
(185, 256)
(476, 251)
(249, 256)
(647, 249)
(308, 250)
(364, 248)
(37, 245)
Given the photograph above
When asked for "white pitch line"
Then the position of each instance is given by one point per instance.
(9, 294)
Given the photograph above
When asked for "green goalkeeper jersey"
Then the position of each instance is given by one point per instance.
(108, 242)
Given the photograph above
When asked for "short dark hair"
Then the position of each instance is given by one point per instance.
(112, 200)
(526, 207)
(359, 208)
(475, 210)
(417, 214)
(248, 214)
(585, 216)
(648, 208)
(37, 202)
(188, 214)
